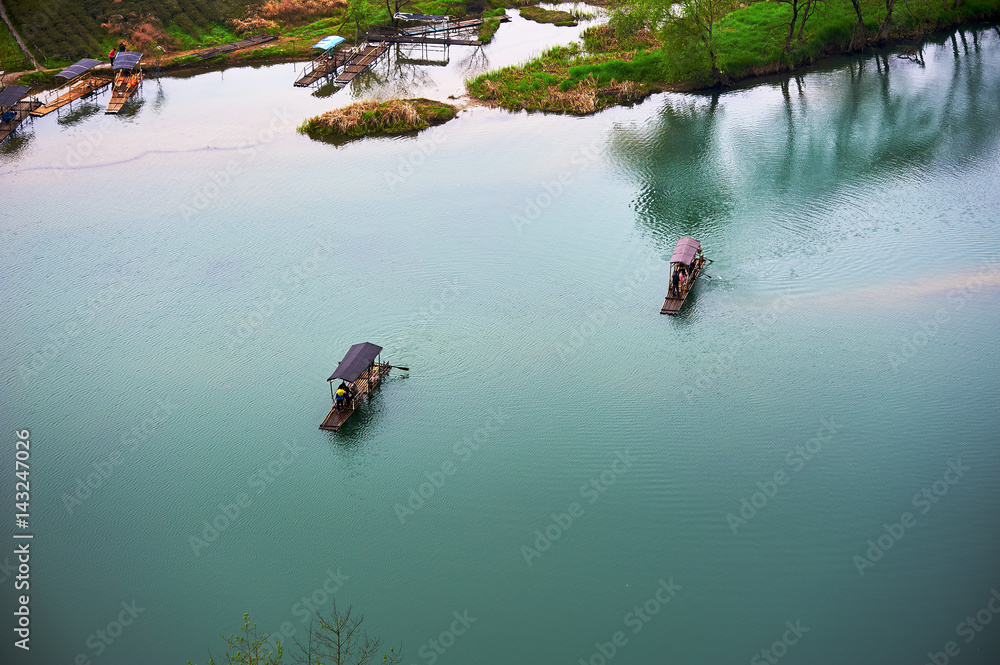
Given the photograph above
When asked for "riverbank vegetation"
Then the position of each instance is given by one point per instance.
(371, 118)
(651, 45)
(553, 16)
(169, 31)
(337, 638)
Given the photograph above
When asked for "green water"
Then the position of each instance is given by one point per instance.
(177, 285)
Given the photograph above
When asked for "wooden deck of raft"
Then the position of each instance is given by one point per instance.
(76, 90)
(335, 419)
(120, 95)
(673, 304)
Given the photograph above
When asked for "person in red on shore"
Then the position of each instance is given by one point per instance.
(111, 56)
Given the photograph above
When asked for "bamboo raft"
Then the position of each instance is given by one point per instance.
(74, 91)
(336, 418)
(687, 256)
(360, 372)
(128, 78)
(121, 93)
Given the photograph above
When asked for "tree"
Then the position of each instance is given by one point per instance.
(858, 37)
(801, 10)
(698, 19)
(364, 13)
(250, 647)
(338, 639)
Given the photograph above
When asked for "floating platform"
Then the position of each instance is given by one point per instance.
(72, 92)
(336, 418)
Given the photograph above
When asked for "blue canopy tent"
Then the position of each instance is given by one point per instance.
(329, 43)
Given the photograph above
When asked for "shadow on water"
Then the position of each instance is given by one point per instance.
(865, 122)
(16, 142)
(77, 115)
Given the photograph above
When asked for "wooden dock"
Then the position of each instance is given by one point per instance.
(256, 40)
(361, 60)
(323, 67)
(14, 109)
(422, 39)
(335, 419)
(72, 92)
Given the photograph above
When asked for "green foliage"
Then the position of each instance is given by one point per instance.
(488, 29)
(554, 16)
(38, 78)
(11, 57)
(490, 13)
(250, 647)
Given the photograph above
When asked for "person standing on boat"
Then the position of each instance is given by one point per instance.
(675, 281)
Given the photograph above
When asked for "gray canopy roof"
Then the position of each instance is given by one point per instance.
(78, 67)
(127, 60)
(356, 362)
(12, 94)
(685, 250)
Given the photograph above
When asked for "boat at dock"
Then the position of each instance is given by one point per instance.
(360, 372)
(686, 264)
(128, 77)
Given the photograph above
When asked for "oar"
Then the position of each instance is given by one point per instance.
(405, 369)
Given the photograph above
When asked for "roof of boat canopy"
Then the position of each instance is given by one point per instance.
(356, 362)
(685, 250)
(423, 18)
(78, 67)
(12, 94)
(329, 42)
(127, 60)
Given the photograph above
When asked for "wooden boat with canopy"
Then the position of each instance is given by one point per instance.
(128, 78)
(360, 372)
(686, 263)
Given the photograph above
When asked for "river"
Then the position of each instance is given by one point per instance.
(805, 461)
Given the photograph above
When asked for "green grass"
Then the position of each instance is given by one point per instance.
(748, 42)
(554, 16)
(488, 29)
(11, 57)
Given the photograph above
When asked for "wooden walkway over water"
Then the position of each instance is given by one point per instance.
(256, 40)
(323, 67)
(335, 419)
(74, 91)
(363, 58)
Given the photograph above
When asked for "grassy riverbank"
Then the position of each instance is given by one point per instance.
(397, 116)
(634, 56)
(169, 32)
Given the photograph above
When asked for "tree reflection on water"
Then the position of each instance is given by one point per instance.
(872, 122)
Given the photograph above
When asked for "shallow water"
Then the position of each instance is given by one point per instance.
(180, 282)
